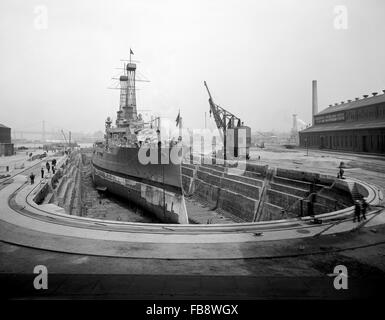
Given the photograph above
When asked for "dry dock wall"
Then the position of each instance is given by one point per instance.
(287, 194)
(62, 188)
(228, 193)
(229, 190)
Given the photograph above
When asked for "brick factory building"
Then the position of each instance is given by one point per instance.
(6, 146)
(354, 125)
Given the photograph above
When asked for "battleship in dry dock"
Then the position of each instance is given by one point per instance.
(118, 166)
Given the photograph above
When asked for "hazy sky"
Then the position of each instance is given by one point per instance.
(258, 57)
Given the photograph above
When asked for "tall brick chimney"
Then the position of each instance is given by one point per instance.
(314, 100)
(295, 125)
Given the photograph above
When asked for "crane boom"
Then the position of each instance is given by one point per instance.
(65, 138)
(225, 120)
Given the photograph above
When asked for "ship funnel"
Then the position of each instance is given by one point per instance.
(130, 106)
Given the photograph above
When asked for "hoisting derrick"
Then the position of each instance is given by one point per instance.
(68, 142)
(229, 132)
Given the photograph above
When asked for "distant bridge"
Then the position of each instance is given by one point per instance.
(34, 131)
(20, 134)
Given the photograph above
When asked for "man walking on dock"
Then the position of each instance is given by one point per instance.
(47, 166)
(32, 177)
(357, 211)
(42, 172)
(364, 206)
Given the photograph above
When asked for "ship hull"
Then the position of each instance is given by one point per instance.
(154, 187)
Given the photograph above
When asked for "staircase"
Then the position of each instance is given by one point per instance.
(262, 199)
(356, 195)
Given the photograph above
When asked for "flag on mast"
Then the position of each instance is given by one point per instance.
(177, 120)
(131, 54)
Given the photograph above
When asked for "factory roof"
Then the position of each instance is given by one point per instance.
(354, 104)
(345, 126)
(3, 126)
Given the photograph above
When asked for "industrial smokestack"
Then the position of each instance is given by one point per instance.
(295, 126)
(314, 100)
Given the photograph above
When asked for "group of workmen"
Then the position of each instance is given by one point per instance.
(47, 167)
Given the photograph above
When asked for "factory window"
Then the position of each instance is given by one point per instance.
(383, 143)
(378, 142)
